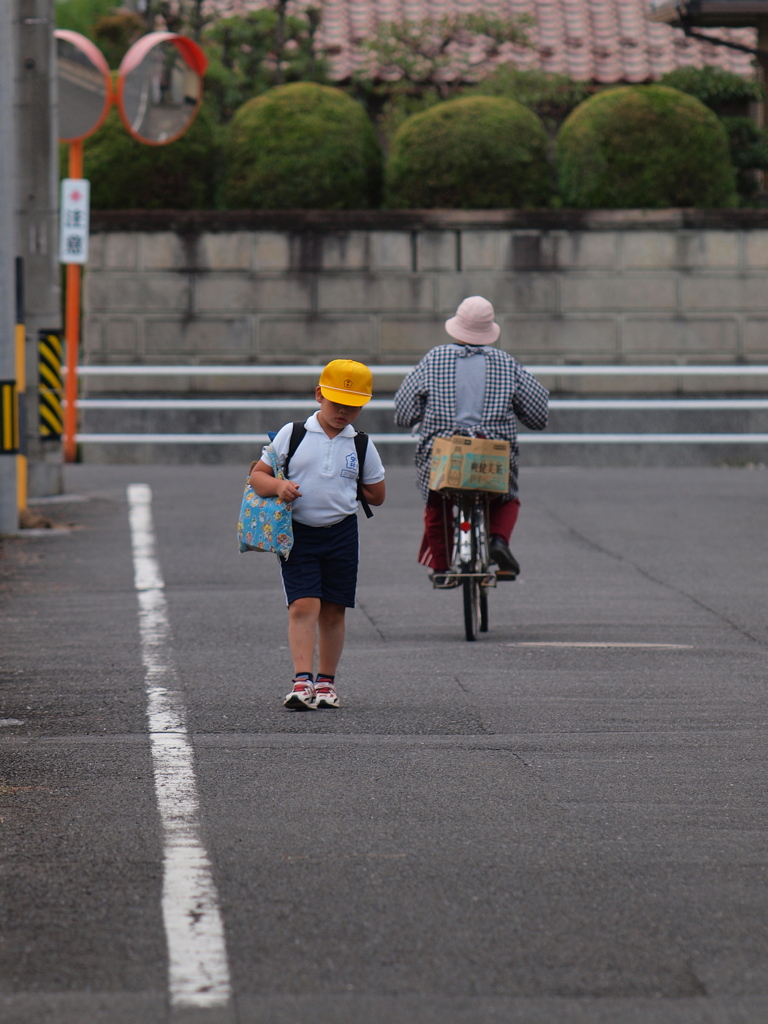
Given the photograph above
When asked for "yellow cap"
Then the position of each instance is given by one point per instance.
(346, 382)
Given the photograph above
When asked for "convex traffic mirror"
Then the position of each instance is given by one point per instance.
(158, 92)
(85, 87)
(159, 87)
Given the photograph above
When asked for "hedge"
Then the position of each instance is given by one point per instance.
(302, 146)
(128, 175)
(471, 153)
(644, 146)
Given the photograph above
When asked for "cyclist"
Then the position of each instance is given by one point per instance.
(467, 387)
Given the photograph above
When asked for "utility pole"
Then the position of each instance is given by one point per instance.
(9, 515)
(36, 230)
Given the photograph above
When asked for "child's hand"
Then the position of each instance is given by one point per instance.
(287, 490)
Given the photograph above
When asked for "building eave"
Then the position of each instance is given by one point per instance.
(710, 13)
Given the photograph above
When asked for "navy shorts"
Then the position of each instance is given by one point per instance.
(323, 562)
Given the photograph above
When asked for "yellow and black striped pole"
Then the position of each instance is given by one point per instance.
(9, 417)
(51, 384)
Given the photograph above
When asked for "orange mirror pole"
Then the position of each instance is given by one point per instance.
(72, 326)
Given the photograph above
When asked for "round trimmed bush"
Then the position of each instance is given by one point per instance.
(302, 146)
(479, 152)
(127, 175)
(644, 146)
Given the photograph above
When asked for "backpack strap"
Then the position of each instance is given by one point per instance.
(361, 447)
(297, 436)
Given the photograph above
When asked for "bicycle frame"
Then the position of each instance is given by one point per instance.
(470, 560)
(470, 535)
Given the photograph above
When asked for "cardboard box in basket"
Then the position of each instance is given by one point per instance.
(469, 464)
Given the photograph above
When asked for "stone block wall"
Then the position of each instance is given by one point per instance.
(568, 287)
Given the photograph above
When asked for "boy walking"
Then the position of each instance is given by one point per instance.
(320, 574)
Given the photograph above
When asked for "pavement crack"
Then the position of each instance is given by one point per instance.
(618, 557)
(466, 691)
(521, 759)
(372, 621)
(512, 753)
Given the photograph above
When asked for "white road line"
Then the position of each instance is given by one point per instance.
(198, 971)
(589, 643)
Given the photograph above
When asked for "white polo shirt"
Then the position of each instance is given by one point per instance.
(325, 469)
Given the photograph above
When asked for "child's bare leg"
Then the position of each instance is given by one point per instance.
(303, 616)
(331, 624)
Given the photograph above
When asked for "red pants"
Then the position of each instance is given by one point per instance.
(433, 551)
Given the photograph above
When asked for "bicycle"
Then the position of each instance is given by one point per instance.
(470, 566)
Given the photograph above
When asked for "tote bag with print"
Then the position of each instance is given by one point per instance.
(265, 524)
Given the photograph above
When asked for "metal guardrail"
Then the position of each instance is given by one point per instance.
(384, 403)
(543, 370)
(223, 371)
(547, 370)
(409, 439)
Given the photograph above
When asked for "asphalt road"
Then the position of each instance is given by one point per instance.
(563, 823)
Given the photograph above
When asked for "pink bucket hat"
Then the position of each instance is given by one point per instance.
(474, 323)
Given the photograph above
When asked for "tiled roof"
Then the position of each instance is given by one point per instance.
(589, 40)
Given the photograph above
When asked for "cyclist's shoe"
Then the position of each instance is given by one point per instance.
(302, 696)
(499, 552)
(505, 577)
(325, 694)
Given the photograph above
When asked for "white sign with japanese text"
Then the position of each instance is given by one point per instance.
(73, 227)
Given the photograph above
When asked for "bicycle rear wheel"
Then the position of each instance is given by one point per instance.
(472, 607)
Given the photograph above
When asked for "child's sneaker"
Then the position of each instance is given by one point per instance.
(326, 696)
(302, 696)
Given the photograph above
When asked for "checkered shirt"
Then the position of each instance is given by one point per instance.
(428, 396)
